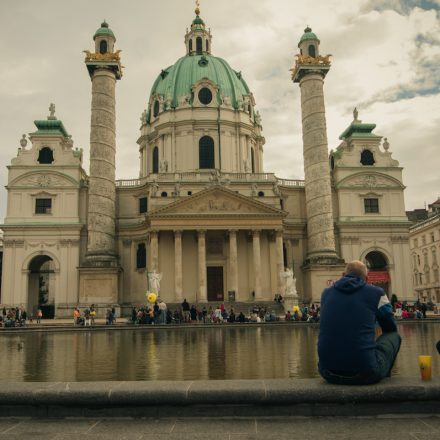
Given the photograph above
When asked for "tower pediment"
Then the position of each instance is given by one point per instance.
(218, 202)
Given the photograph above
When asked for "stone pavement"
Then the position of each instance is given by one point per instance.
(275, 428)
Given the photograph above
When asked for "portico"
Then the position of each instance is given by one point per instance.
(215, 244)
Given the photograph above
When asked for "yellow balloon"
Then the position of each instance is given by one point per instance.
(152, 297)
(295, 308)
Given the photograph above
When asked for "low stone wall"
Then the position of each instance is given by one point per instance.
(266, 398)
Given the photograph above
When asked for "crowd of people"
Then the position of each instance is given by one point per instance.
(403, 310)
(159, 313)
(88, 316)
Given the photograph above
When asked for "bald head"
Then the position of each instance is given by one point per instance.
(356, 268)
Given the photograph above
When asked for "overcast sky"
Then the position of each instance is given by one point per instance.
(386, 61)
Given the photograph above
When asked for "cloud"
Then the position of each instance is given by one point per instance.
(402, 6)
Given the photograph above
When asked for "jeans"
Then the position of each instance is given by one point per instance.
(387, 347)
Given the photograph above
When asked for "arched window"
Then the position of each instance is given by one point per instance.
(191, 45)
(155, 160)
(103, 46)
(141, 256)
(253, 160)
(332, 162)
(207, 45)
(312, 51)
(199, 45)
(156, 108)
(45, 156)
(261, 194)
(206, 153)
(164, 194)
(367, 158)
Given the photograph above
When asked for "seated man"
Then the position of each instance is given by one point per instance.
(347, 349)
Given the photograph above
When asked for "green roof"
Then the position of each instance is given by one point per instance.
(198, 20)
(308, 35)
(50, 127)
(358, 129)
(104, 30)
(177, 80)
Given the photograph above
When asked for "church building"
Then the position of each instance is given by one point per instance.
(202, 210)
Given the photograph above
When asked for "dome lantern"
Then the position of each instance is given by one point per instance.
(198, 38)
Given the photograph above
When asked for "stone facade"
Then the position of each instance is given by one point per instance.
(425, 251)
(217, 232)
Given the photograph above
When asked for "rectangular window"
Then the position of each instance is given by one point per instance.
(141, 256)
(43, 206)
(143, 205)
(371, 205)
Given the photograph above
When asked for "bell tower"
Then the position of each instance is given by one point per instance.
(100, 270)
(309, 71)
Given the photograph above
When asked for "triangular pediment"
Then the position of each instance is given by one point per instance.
(217, 201)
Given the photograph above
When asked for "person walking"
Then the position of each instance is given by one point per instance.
(39, 316)
(347, 347)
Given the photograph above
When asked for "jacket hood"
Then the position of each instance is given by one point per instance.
(349, 284)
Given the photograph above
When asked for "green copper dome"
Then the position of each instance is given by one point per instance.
(104, 30)
(177, 80)
(308, 35)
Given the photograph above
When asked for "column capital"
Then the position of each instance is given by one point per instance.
(154, 232)
(201, 232)
(256, 232)
(233, 231)
(177, 231)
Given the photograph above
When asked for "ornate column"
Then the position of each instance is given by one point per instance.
(280, 261)
(233, 262)
(202, 294)
(310, 72)
(101, 259)
(257, 263)
(178, 280)
(154, 249)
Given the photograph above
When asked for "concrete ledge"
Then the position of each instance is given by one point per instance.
(300, 397)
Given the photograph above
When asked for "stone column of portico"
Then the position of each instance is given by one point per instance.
(233, 262)
(154, 249)
(280, 261)
(202, 294)
(178, 281)
(257, 263)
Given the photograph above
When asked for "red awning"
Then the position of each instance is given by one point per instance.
(378, 277)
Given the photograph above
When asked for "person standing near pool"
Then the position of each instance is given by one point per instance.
(347, 348)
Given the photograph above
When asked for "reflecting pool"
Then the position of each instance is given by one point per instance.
(238, 352)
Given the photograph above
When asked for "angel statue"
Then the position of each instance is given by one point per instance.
(154, 279)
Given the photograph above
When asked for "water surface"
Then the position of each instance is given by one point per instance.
(247, 352)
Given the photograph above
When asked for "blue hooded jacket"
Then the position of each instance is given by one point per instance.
(349, 310)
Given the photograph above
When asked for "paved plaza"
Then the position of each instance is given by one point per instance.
(323, 428)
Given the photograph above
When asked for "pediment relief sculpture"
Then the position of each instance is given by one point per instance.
(44, 181)
(369, 181)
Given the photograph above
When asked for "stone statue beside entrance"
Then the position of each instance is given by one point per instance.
(289, 289)
(154, 279)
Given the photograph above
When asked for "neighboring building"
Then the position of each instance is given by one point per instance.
(1, 263)
(203, 212)
(425, 252)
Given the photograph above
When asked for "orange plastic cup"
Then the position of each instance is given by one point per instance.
(425, 364)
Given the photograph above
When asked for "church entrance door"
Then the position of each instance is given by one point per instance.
(215, 283)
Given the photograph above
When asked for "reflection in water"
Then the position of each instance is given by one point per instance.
(186, 353)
